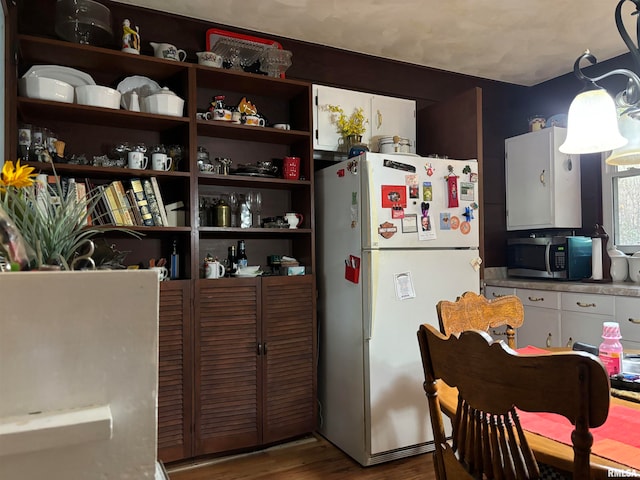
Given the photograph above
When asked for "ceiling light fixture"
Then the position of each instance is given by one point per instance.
(598, 123)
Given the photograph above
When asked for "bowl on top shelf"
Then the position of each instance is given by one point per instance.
(274, 61)
(44, 88)
(164, 102)
(98, 96)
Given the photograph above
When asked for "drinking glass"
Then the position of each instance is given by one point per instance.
(233, 205)
(256, 207)
(249, 201)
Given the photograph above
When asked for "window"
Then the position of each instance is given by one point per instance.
(621, 206)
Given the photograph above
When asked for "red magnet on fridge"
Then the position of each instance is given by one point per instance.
(452, 191)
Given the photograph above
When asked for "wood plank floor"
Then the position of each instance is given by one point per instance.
(313, 458)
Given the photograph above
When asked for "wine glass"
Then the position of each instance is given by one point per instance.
(256, 207)
(249, 200)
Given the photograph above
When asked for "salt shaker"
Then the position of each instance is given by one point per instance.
(134, 104)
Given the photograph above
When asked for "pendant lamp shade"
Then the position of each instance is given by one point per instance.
(628, 154)
(592, 124)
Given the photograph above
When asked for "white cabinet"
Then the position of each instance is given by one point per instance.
(582, 317)
(541, 326)
(542, 184)
(492, 293)
(628, 316)
(386, 116)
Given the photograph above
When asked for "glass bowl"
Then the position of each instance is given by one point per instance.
(275, 61)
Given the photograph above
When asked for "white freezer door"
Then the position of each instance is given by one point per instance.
(387, 177)
(396, 405)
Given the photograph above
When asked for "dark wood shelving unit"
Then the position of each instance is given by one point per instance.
(212, 332)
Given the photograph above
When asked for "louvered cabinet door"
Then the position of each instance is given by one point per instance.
(226, 362)
(174, 384)
(288, 375)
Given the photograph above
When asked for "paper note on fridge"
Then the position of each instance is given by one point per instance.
(404, 286)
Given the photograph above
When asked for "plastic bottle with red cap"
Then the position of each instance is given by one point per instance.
(610, 351)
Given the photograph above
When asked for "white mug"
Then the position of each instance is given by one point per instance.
(163, 273)
(160, 161)
(204, 116)
(137, 160)
(168, 51)
(282, 126)
(214, 270)
(254, 120)
(210, 59)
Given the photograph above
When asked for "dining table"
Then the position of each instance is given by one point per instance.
(559, 454)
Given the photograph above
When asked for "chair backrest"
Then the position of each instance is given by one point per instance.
(493, 381)
(475, 312)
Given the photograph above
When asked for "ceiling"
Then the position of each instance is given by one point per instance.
(507, 40)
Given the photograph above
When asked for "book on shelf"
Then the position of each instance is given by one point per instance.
(142, 203)
(161, 205)
(125, 207)
(135, 211)
(114, 207)
(153, 202)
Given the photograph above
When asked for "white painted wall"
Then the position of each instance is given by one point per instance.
(82, 349)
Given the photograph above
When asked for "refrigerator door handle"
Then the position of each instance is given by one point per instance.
(369, 268)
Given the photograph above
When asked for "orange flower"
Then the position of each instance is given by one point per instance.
(19, 177)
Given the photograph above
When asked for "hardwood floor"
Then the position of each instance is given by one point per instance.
(313, 458)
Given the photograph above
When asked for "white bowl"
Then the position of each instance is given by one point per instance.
(45, 89)
(163, 104)
(249, 270)
(98, 96)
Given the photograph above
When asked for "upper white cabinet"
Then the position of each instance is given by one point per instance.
(543, 185)
(386, 116)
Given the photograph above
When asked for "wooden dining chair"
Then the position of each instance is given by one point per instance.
(493, 382)
(475, 312)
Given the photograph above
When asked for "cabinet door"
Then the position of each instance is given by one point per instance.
(628, 316)
(392, 116)
(326, 136)
(174, 379)
(226, 362)
(528, 160)
(582, 327)
(492, 292)
(542, 184)
(541, 326)
(288, 373)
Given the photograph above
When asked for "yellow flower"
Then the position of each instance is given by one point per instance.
(19, 177)
(352, 125)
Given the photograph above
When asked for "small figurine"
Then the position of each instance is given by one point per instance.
(130, 38)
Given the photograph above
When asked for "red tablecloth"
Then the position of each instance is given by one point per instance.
(618, 439)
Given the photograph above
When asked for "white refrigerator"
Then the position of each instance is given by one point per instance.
(382, 267)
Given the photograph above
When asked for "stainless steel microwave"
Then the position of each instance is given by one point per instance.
(557, 258)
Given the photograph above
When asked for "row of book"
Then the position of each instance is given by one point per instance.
(139, 202)
(135, 202)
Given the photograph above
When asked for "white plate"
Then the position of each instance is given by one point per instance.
(253, 274)
(64, 74)
(143, 86)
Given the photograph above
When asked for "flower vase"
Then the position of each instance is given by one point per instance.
(349, 141)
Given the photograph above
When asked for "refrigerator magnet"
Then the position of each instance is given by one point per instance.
(465, 228)
(445, 223)
(467, 191)
(412, 183)
(387, 230)
(452, 191)
(429, 169)
(454, 222)
(394, 195)
(427, 192)
(410, 223)
(397, 212)
(427, 231)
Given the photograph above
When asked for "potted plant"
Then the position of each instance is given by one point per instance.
(41, 225)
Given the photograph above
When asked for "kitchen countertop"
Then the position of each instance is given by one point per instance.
(496, 277)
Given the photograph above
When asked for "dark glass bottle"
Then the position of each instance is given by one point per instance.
(232, 260)
(242, 255)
